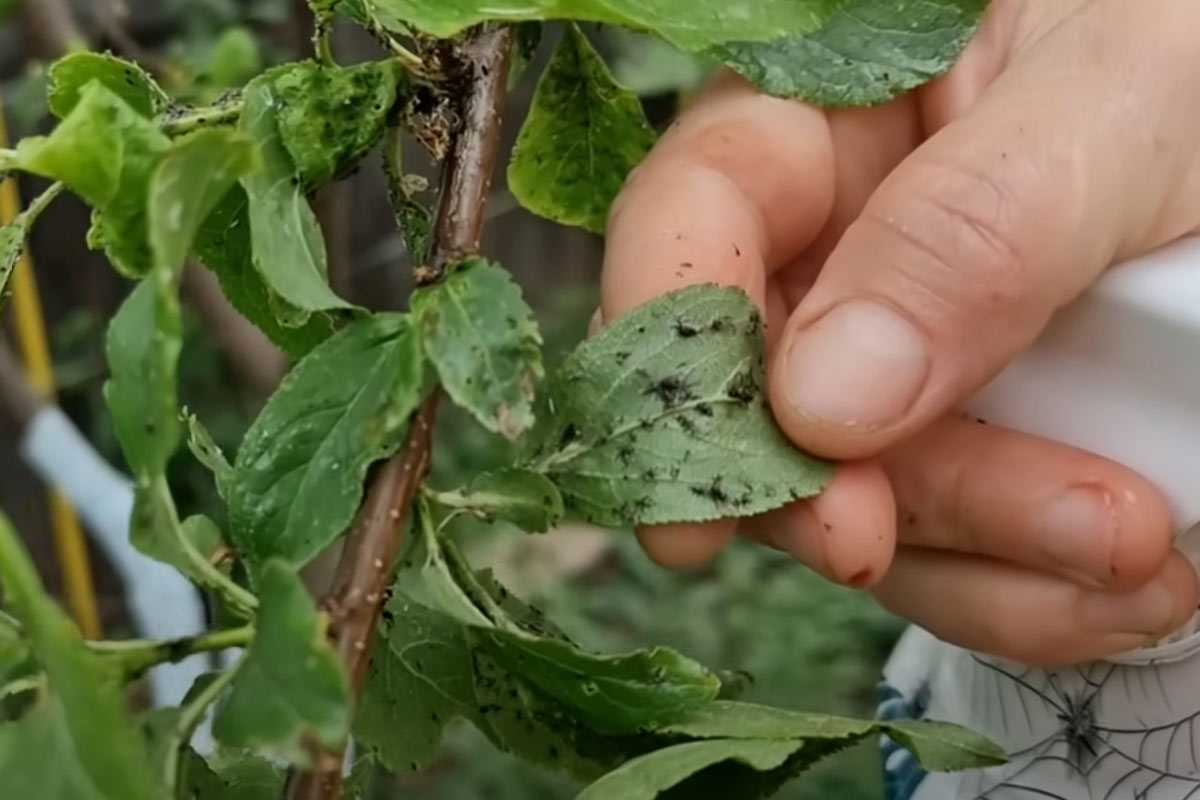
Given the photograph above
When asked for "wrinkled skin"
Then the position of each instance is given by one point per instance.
(903, 255)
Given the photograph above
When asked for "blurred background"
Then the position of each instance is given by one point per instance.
(807, 644)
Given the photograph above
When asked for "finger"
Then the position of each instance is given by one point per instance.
(964, 252)
(847, 534)
(686, 546)
(1030, 617)
(983, 490)
(740, 180)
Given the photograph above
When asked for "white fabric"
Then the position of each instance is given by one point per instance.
(1118, 373)
(163, 604)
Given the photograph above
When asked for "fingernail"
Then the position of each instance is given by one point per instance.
(1148, 611)
(596, 323)
(861, 364)
(1079, 532)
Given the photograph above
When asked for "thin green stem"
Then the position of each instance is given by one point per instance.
(40, 203)
(190, 717)
(323, 42)
(193, 119)
(7, 158)
(241, 600)
(138, 655)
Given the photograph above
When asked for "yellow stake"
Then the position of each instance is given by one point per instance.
(69, 543)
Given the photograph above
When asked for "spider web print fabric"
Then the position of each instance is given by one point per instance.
(1102, 731)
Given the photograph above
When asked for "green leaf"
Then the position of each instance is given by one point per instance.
(106, 152)
(865, 52)
(661, 418)
(291, 685)
(235, 58)
(939, 746)
(646, 777)
(208, 453)
(204, 535)
(230, 776)
(189, 182)
(223, 244)
(38, 757)
(299, 472)
(420, 679)
(143, 344)
(286, 240)
(429, 669)
(95, 728)
(484, 342)
(584, 134)
(429, 577)
(527, 499)
(691, 25)
(612, 694)
(69, 75)
(727, 719)
(330, 117)
(943, 747)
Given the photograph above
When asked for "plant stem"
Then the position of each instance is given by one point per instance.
(368, 563)
(38, 205)
(205, 116)
(138, 655)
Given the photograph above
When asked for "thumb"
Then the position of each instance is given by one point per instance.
(965, 251)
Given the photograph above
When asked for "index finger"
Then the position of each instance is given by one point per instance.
(739, 185)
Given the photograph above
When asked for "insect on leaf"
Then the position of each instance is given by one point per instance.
(584, 134)
(329, 117)
(484, 343)
(68, 76)
(661, 418)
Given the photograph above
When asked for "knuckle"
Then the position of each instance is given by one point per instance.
(960, 243)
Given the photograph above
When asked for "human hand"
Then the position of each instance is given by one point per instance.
(902, 256)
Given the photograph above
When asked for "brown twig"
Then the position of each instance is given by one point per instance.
(52, 27)
(368, 561)
(259, 362)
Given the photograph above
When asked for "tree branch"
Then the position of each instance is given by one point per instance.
(52, 27)
(368, 561)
